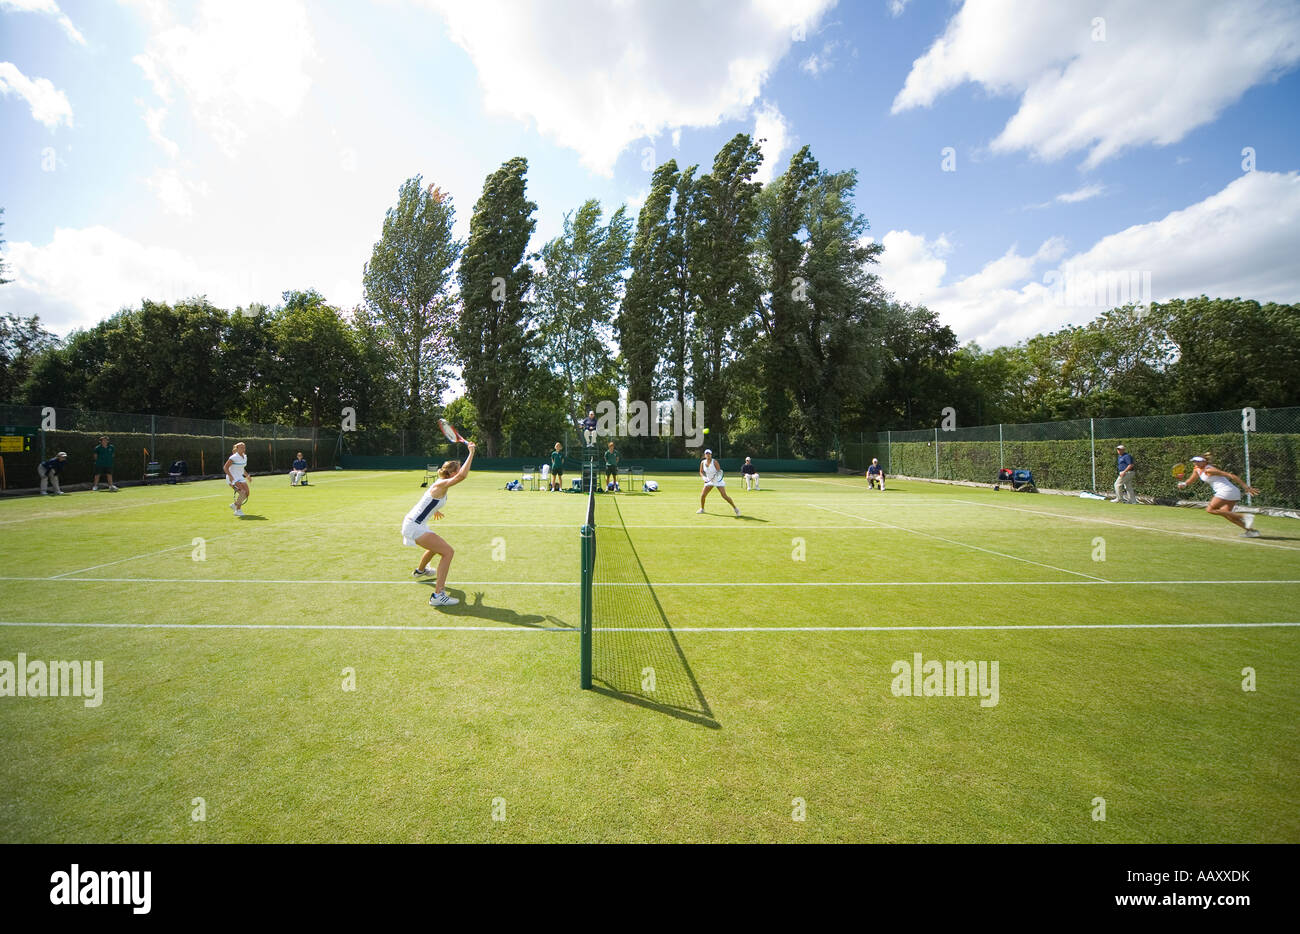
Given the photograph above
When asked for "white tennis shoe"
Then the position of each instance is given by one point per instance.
(699, 512)
(427, 572)
(441, 599)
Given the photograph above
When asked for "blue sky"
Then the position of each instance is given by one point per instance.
(239, 149)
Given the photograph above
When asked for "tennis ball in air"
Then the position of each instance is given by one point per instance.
(706, 431)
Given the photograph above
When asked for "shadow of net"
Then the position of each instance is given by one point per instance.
(635, 653)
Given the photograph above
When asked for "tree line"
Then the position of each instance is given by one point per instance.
(760, 301)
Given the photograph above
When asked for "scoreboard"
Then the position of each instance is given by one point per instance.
(17, 439)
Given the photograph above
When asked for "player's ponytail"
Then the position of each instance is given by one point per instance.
(448, 469)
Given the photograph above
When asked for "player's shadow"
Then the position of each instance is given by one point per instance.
(248, 515)
(477, 609)
(750, 518)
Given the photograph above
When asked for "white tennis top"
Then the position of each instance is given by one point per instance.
(237, 464)
(426, 507)
(1222, 486)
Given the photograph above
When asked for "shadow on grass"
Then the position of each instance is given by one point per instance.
(249, 515)
(477, 609)
(636, 657)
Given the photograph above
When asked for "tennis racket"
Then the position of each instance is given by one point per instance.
(1179, 471)
(452, 434)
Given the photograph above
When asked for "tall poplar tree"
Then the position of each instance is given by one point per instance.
(492, 336)
(408, 289)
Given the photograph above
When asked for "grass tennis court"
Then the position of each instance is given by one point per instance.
(772, 640)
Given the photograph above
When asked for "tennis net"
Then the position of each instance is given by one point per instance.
(630, 651)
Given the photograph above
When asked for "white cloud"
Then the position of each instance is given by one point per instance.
(599, 76)
(770, 126)
(241, 61)
(896, 7)
(912, 266)
(635, 203)
(175, 194)
(50, 8)
(1161, 70)
(1256, 224)
(81, 276)
(1081, 194)
(48, 104)
(153, 119)
(814, 65)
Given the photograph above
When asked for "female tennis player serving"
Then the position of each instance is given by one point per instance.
(711, 473)
(1226, 493)
(416, 531)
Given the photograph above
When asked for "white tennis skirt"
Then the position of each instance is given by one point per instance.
(411, 530)
(718, 483)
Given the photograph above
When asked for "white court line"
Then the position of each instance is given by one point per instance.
(106, 564)
(1090, 582)
(351, 627)
(214, 538)
(41, 516)
(950, 541)
(1232, 538)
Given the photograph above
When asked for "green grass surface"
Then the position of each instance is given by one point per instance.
(745, 715)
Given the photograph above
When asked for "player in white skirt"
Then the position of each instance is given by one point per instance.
(1227, 493)
(711, 474)
(416, 531)
(237, 475)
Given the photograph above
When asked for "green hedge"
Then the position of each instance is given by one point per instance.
(1067, 465)
(651, 465)
(203, 453)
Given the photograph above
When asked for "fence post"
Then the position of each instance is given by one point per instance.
(153, 435)
(889, 451)
(936, 453)
(1092, 436)
(1245, 441)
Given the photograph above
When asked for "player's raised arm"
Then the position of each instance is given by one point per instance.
(464, 468)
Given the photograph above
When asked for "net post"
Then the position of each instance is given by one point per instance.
(588, 549)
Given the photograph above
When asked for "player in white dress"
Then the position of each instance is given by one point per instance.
(711, 474)
(237, 475)
(416, 531)
(1226, 493)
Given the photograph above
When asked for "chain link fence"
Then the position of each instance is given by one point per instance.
(430, 442)
(1262, 446)
(204, 444)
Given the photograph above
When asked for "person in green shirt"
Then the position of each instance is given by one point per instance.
(557, 468)
(611, 468)
(103, 464)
